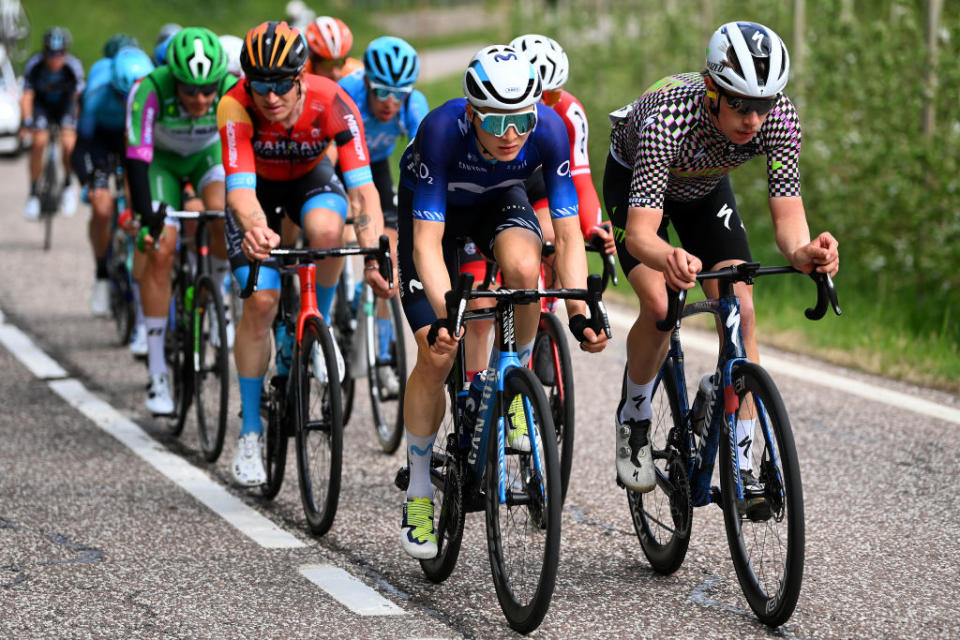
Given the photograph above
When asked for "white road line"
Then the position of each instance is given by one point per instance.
(191, 479)
(349, 591)
(19, 344)
(777, 365)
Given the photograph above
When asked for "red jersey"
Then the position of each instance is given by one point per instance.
(254, 146)
(575, 119)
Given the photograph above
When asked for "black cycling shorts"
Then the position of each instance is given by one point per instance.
(708, 227)
(61, 114)
(96, 159)
(481, 222)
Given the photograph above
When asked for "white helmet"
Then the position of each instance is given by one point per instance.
(232, 45)
(748, 59)
(547, 57)
(499, 77)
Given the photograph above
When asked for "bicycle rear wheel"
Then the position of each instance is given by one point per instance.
(448, 475)
(765, 535)
(387, 404)
(178, 346)
(662, 518)
(211, 364)
(320, 432)
(523, 531)
(551, 363)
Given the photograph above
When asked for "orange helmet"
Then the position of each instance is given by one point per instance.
(272, 50)
(329, 37)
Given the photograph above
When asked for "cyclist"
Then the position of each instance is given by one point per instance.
(98, 151)
(330, 41)
(670, 153)
(102, 70)
(463, 175)
(390, 107)
(232, 46)
(275, 126)
(164, 36)
(172, 138)
(52, 82)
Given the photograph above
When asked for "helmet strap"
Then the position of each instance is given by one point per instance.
(484, 151)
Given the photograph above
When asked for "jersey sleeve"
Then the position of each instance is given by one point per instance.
(76, 67)
(417, 109)
(433, 146)
(575, 119)
(236, 140)
(30, 71)
(87, 122)
(782, 139)
(143, 107)
(657, 144)
(552, 142)
(345, 126)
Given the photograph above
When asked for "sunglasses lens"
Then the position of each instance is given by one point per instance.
(279, 87)
(498, 123)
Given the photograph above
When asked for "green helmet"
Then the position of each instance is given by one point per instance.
(195, 56)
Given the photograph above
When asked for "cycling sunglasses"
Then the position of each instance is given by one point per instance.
(498, 123)
(744, 106)
(383, 91)
(280, 87)
(194, 89)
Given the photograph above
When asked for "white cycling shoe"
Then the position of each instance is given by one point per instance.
(100, 297)
(635, 455)
(69, 201)
(248, 469)
(138, 341)
(159, 400)
(32, 210)
(320, 366)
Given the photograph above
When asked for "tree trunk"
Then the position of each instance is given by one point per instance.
(934, 8)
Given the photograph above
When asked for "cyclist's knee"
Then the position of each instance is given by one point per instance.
(259, 310)
(323, 236)
(521, 271)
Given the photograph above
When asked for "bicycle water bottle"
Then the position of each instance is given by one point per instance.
(284, 342)
(703, 406)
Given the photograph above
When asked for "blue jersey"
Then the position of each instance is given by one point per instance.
(443, 165)
(100, 73)
(104, 108)
(382, 136)
(53, 88)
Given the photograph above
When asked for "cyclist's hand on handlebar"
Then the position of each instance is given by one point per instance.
(258, 242)
(605, 233)
(681, 269)
(152, 222)
(381, 288)
(440, 340)
(821, 254)
(589, 340)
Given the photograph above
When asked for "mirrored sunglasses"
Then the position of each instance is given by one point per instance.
(279, 87)
(744, 106)
(498, 123)
(383, 91)
(196, 89)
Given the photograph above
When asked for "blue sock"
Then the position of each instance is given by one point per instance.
(325, 297)
(384, 336)
(250, 389)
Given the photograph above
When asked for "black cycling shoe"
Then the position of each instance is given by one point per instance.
(754, 504)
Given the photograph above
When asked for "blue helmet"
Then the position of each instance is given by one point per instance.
(160, 52)
(392, 62)
(56, 40)
(117, 42)
(129, 65)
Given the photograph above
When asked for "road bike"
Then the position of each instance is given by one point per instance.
(762, 503)
(472, 468)
(120, 265)
(305, 401)
(196, 348)
(50, 186)
(358, 333)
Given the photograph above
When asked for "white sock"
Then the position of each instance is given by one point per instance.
(524, 351)
(745, 437)
(156, 328)
(419, 450)
(636, 405)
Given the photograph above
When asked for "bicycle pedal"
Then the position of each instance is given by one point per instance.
(402, 481)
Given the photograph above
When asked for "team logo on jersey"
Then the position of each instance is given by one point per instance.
(564, 168)
(725, 213)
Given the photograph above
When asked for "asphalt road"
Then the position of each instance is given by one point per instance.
(96, 542)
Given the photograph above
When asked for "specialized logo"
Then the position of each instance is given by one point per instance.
(733, 321)
(199, 64)
(725, 213)
(758, 38)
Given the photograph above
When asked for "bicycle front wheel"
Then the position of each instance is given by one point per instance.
(178, 346)
(523, 527)
(344, 329)
(386, 373)
(765, 530)
(320, 430)
(211, 366)
(273, 404)
(551, 363)
(662, 517)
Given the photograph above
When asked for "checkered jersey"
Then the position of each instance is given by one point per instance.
(677, 153)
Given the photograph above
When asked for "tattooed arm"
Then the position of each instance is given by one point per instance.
(368, 224)
(258, 237)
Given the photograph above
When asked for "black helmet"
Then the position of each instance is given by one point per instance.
(273, 50)
(56, 40)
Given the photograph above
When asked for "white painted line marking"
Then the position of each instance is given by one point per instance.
(19, 344)
(349, 591)
(195, 482)
(777, 365)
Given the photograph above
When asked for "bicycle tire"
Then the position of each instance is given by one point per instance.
(524, 605)
(211, 366)
(320, 429)
(448, 475)
(560, 392)
(178, 348)
(749, 534)
(664, 546)
(122, 308)
(48, 192)
(387, 420)
(342, 329)
(276, 434)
